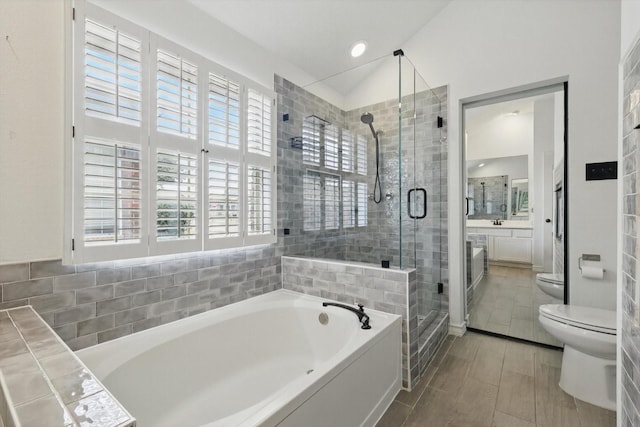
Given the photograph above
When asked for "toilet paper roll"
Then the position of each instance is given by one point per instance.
(592, 272)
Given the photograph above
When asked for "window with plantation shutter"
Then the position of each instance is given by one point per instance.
(170, 152)
(362, 204)
(224, 112)
(112, 84)
(331, 203)
(259, 188)
(259, 123)
(346, 153)
(177, 95)
(361, 155)
(224, 199)
(348, 204)
(177, 195)
(311, 141)
(312, 202)
(112, 193)
(331, 154)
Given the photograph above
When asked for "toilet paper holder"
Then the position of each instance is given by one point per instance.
(588, 257)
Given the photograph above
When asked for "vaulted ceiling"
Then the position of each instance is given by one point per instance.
(317, 35)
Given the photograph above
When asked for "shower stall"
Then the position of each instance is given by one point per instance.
(363, 179)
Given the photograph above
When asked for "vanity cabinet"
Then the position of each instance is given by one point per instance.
(507, 244)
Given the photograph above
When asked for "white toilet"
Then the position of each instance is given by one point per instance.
(551, 284)
(589, 358)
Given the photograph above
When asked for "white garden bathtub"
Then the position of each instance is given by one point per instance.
(265, 361)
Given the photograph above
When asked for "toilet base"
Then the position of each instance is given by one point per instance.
(588, 378)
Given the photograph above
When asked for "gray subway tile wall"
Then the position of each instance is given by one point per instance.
(89, 304)
(630, 370)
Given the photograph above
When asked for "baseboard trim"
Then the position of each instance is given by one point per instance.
(457, 330)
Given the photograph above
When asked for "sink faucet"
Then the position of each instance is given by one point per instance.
(497, 221)
(362, 316)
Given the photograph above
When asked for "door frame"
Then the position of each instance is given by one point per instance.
(539, 88)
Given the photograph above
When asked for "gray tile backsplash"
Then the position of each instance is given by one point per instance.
(630, 370)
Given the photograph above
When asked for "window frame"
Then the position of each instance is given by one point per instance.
(150, 140)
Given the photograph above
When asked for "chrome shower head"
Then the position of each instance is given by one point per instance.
(367, 119)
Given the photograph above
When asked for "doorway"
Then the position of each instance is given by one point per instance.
(515, 185)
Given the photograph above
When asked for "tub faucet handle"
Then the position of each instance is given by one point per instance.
(361, 307)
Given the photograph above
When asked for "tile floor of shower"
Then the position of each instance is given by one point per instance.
(479, 380)
(506, 301)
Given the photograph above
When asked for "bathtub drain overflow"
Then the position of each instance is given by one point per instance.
(323, 318)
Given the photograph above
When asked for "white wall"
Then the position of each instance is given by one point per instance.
(504, 136)
(515, 167)
(31, 127)
(482, 47)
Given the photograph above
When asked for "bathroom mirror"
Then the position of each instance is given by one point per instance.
(520, 198)
(488, 196)
(491, 186)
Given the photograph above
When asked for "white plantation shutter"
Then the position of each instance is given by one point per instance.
(224, 112)
(105, 217)
(259, 123)
(310, 141)
(177, 196)
(331, 153)
(362, 197)
(259, 201)
(312, 202)
(348, 204)
(347, 151)
(177, 95)
(331, 203)
(112, 84)
(112, 193)
(260, 158)
(175, 142)
(361, 155)
(171, 152)
(224, 200)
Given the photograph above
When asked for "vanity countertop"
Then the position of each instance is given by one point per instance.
(486, 223)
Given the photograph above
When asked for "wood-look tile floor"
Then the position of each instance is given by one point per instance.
(506, 301)
(478, 380)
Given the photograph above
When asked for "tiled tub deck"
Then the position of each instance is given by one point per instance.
(45, 384)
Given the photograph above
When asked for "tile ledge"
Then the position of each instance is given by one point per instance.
(11, 418)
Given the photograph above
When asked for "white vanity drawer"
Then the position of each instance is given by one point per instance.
(522, 233)
(500, 232)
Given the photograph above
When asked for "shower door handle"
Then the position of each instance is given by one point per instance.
(467, 212)
(424, 204)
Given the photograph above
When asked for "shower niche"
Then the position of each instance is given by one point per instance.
(367, 184)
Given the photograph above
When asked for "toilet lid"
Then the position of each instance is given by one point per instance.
(554, 278)
(595, 319)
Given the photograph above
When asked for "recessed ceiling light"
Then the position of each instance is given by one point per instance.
(481, 165)
(358, 48)
(514, 113)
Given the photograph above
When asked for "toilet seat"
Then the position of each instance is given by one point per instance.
(590, 318)
(553, 278)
